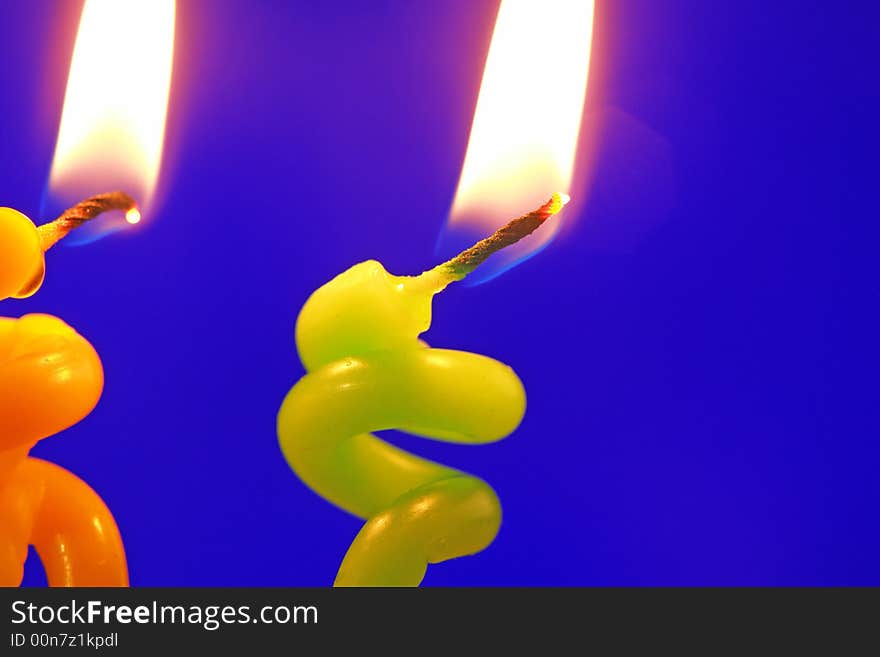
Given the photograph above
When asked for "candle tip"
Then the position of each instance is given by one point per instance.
(133, 216)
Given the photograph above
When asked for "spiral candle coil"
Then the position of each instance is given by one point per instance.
(50, 378)
(367, 371)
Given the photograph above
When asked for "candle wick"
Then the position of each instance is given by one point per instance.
(467, 261)
(75, 216)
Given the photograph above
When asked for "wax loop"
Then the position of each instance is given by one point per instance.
(50, 378)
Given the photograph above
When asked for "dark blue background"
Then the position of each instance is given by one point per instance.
(697, 345)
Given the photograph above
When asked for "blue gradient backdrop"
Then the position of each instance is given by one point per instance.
(697, 345)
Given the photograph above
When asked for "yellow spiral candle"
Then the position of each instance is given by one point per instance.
(50, 378)
(358, 338)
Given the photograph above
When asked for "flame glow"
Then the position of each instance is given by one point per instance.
(113, 122)
(524, 136)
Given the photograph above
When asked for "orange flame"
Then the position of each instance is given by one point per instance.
(113, 122)
(524, 136)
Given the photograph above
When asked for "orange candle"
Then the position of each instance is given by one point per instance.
(50, 379)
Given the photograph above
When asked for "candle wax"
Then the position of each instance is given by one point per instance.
(50, 378)
(22, 265)
(358, 337)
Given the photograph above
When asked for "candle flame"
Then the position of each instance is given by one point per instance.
(113, 121)
(524, 135)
